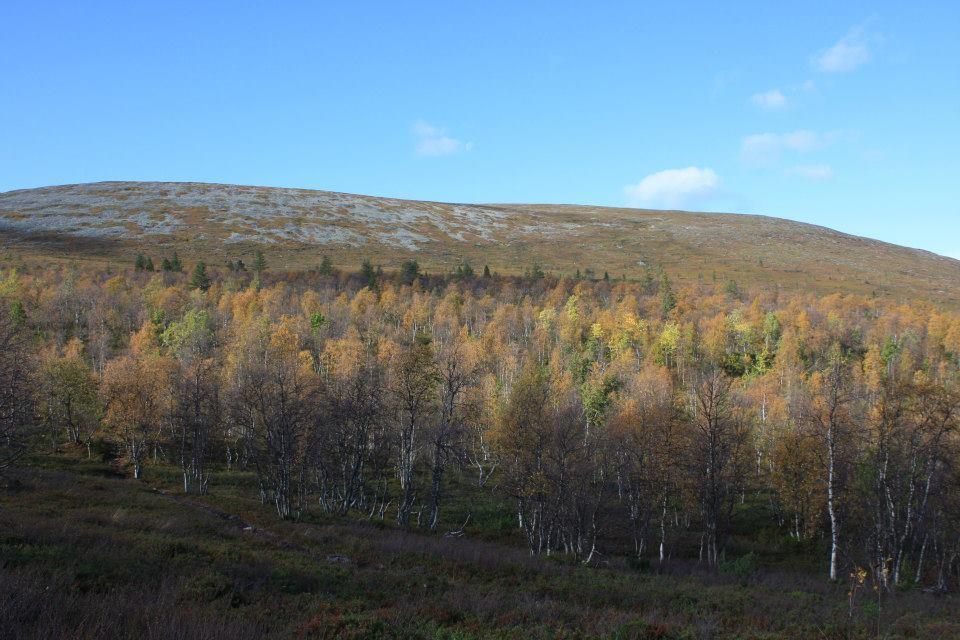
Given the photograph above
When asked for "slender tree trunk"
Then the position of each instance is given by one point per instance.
(663, 530)
(831, 503)
(436, 483)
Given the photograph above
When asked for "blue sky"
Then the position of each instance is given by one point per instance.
(840, 114)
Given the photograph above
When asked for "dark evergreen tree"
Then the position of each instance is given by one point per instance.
(200, 279)
(668, 301)
(259, 262)
(368, 274)
(732, 288)
(647, 282)
(140, 263)
(326, 266)
(409, 271)
(463, 271)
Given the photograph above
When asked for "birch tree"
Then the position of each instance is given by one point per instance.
(457, 371)
(829, 416)
(197, 407)
(16, 407)
(137, 394)
(68, 401)
(716, 441)
(274, 395)
(414, 380)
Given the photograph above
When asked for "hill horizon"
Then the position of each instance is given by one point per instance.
(217, 222)
(681, 210)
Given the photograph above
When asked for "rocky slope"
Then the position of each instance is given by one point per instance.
(295, 226)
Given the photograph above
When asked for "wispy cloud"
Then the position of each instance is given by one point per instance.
(673, 188)
(850, 52)
(434, 141)
(762, 149)
(770, 100)
(811, 171)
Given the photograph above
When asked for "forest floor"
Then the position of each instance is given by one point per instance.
(87, 552)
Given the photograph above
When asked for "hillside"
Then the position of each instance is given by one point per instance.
(140, 560)
(295, 226)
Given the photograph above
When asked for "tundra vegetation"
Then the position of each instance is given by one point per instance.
(533, 456)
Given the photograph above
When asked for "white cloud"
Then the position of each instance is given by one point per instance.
(773, 99)
(673, 188)
(811, 171)
(847, 54)
(433, 141)
(762, 149)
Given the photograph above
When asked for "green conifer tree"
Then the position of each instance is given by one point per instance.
(200, 279)
(259, 262)
(326, 266)
(367, 272)
(668, 301)
(409, 271)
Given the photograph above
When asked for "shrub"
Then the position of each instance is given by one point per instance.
(742, 567)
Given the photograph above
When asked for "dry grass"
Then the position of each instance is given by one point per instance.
(85, 553)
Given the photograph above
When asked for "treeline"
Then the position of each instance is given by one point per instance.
(598, 410)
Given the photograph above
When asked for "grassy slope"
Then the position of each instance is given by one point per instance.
(294, 227)
(88, 553)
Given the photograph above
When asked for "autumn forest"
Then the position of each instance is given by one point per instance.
(589, 419)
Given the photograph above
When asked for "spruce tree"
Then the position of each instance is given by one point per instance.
(367, 273)
(326, 266)
(463, 271)
(259, 262)
(409, 271)
(647, 282)
(140, 263)
(667, 300)
(200, 279)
